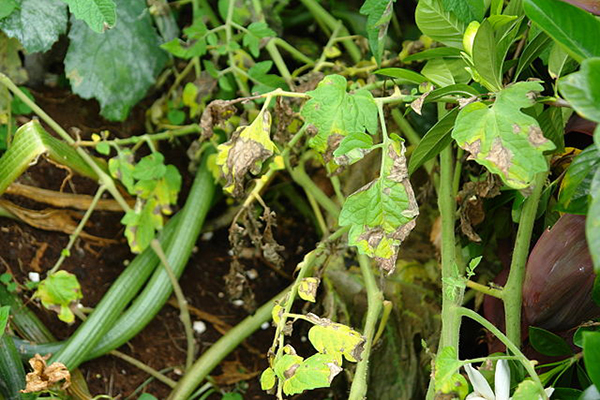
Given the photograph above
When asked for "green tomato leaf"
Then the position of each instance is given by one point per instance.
(57, 292)
(7, 7)
(185, 50)
(121, 168)
(526, 390)
(575, 187)
(575, 30)
(266, 82)
(446, 365)
(435, 140)
(248, 147)
(150, 167)
(268, 379)
(353, 148)
(466, 10)
(334, 113)
(382, 213)
(141, 224)
(502, 138)
(317, 371)
(256, 31)
(439, 24)
(285, 366)
(4, 314)
(379, 14)
(582, 89)
(591, 355)
(91, 61)
(548, 343)
(307, 290)
(336, 340)
(98, 14)
(592, 223)
(37, 25)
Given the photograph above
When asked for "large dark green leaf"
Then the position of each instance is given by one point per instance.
(434, 141)
(576, 30)
(548, 343)
(576, 185)
(591, 355)
(437, 23)
(37, 24)
(118, 66)
(379, 14)
(592, 225)
(582, 89)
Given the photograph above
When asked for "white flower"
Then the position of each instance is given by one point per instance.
(483, 391)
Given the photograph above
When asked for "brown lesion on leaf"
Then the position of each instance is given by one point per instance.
(516, 128)
(535, 136)
(500, 156)
(471, 208)
(473, 148)
(45, 377)
(214, 114)
(333, 142)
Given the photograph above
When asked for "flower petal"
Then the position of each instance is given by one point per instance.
(480, 385)
(502, 380)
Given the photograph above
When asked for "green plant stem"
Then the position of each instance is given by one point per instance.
(510, 345)
(229, 37)
(497, 293)
(457, 171)
(77, 232)
(297, 54)
(318, 214)
(321, 14)
(513, 290)
(358, 390)
(165, 135)
(104, 179)
(279, 62)
(143, 367)
(388, 306)
(220, 349)
(184, 312)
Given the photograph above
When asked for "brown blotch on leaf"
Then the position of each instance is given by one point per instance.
(473, 148)
(44, 377)
(535, 136)
(500, 156)
(215, 112)
(470, 200)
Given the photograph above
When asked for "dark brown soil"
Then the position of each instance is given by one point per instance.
(162, 343)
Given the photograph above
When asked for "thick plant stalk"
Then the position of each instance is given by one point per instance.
(512, 294)
(358, 391)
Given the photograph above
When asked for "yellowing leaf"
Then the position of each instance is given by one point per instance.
(248, 147)
(317, 371)
(382, 213)
(335, 339)
(334, 113)
(307, 289)
(267, 379)
(502, 138)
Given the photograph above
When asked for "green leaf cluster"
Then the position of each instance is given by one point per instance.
(156, 186)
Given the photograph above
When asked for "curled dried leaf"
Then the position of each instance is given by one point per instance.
(44, 377)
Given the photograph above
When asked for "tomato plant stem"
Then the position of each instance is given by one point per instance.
(513, 290)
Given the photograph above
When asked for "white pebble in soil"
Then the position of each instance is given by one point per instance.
(34, 277)
(199, 327)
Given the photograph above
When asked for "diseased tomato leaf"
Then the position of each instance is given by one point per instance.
(336, 340)
(382, 213)
(245, 152)
(504, 139)
(334, 113)
(57, 292)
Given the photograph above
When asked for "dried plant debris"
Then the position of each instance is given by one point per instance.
(44, 376)
(216, 112)
(470, 199)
